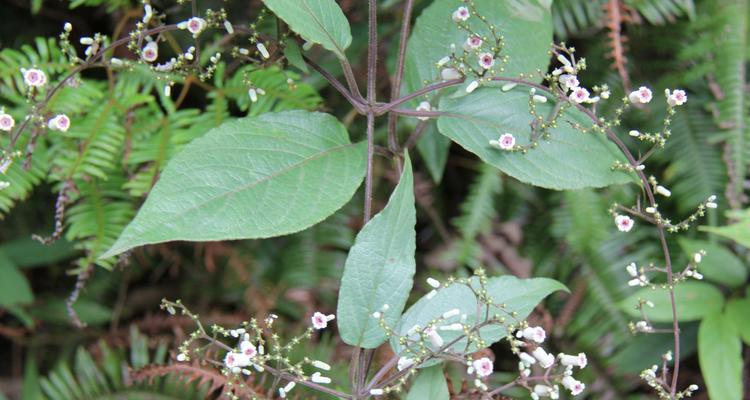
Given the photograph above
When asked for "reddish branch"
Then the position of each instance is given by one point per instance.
(615, 15)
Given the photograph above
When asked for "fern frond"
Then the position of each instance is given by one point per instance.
(44, 54)
(571, 17)
(279, 94)
(659, 12)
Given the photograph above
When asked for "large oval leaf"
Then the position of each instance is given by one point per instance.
(720, 356)
(429, 384)
(317, 21)
(568, 160)
(526, 26)
(695, 300)
(518, 295)
(380, 268)
(719, 264)
(256, 177)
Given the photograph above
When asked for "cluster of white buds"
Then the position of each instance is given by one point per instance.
(639, 279)
(642, 326)
(92, 44)
(567, 78)
(254, 92)
(320, 320)
(692, 269)
(624, 223)
(286, 389)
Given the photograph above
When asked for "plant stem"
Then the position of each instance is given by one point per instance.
(397, 79)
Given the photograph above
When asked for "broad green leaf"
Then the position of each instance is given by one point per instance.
(429, 384)
(433, 148)
(719, 264)
(720, 356)
(518, 295)
(256, 177)
(29, 253)
(293, 54)
(14, 287)
(317, 21)
(739, 232)
(568, 160)
(737, 312)
(380, 268)
(695, 300)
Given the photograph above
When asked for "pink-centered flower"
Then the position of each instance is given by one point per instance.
(505, 142)
(578, 360)
(643, 95)
(575, 386)
(473, 42)
(34, 77)
(569, 81)
(579, 95)
(236, 360)
(150, 52)
(248, 349)
(6, 122)
(676, 98)
(461, 14)
(535, 333)
(483, 367)
(59, 122)
(320, 320)
(486, 60)
(624, 223)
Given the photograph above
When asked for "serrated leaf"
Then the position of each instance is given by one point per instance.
(317, 21)
(720, 356)
(719, 264)
(568, 160)
(518, 295)
(380, 268)
(695, 300)
(430, 384)
(256, 177)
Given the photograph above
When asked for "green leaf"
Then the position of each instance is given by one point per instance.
(719, 264)
(739, 232)
(720, 356)
(256, 177)
(433, 148)
(518, 295)
(380, 268)
(568, 160)
(293, 54)
(737, 313)
(30, 389)
(429, 384)
(317, 21)
(14, 287)
(89, 311)
(695, 300)
(29, 253)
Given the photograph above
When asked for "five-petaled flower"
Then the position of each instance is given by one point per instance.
(486, 60)
(320, 320)
(34, 77)
(59, 122)
(624, 223)
(534, 333)
(194, 25)
(461, 14)
(483, 367)
(506, 142)
(643, 95)
(579, 95)
(6, 122)
(473, 42)
(676, 98)
(248, 349)
(150, 52)
(575, 386)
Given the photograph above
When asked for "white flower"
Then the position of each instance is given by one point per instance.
(461, 14)
(579, 360)
(34, 77)
(676, 98)
(424, 106)
(505, 142)
(236, 360)
(434, 337)
(579, 95)
(181, 357)
(6, 122)
(263, 50)
(643, 95)
(483, 367)
(535, 333)
(624, 223)
(59, 122)
(473, 42)
(150, 52)
(569, 81)
(527, 359)
(404, 363)
(320, 320)
(575, 386)
(545, 359)
(448, 74)
(318, 378)
(486, 60)
(248, 349)
(543, 390)
(194, 25)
